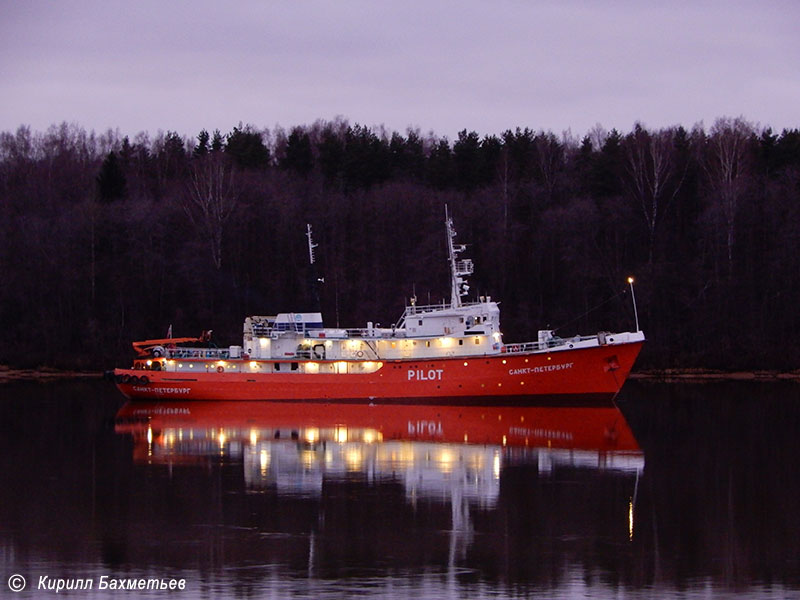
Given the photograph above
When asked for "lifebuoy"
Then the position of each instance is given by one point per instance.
(144, 379)
(220, 369)
(360, 354)
(126, 378)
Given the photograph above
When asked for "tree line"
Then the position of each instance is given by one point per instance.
(108, 239)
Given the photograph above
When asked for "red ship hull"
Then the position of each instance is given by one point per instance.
(584, 375)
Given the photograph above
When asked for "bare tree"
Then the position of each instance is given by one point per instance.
(212, 199)
(652, 177)
(727, 167)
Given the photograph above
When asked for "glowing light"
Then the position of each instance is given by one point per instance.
(341, 434)
(630, 520)
(496, 465)
(253, 437)
(369, 436)
(353, 459)
(446, 460)
(253, 365)
(180, 365)
(496, 336)
(630, 279)
(221, 438)
(149, 435)
(149, 363)
(263, 342)
(221, 363)
(312, 367)
(341, 367)
(263, 460)
(312, 435)
(504, 361)
(465, 363)
(505, 440)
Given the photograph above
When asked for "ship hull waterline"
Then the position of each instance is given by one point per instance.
(586, 375)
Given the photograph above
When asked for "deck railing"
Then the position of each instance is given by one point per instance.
(207, 353)
(555, 342)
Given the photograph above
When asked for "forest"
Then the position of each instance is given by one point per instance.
(108, 239)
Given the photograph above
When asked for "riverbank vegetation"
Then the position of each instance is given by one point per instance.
(107, 238)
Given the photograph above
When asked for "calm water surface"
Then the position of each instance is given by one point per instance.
(679, 491)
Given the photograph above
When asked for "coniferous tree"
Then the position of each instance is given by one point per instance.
(111, 183)
(247, 149)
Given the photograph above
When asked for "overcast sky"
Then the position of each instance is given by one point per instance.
(439, 66)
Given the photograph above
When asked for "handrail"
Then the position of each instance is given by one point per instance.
(415, 309)
(189, 353)
(555, 342)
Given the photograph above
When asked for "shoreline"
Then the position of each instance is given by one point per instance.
(8, 374)
(712, 375)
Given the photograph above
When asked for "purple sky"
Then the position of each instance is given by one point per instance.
(439, 66)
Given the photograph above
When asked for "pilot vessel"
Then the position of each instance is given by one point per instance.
(450, 353)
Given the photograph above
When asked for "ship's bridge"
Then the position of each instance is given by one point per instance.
(471, 318)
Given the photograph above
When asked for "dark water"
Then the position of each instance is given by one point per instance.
(685, 491)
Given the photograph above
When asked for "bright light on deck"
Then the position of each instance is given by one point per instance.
(630, 279)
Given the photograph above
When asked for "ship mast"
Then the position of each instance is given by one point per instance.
(459, 269)
(311, 244)
(314, 280)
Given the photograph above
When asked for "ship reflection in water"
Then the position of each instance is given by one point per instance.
(328, 501)
(449, 455)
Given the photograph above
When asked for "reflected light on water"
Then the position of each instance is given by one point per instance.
(259, 500)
